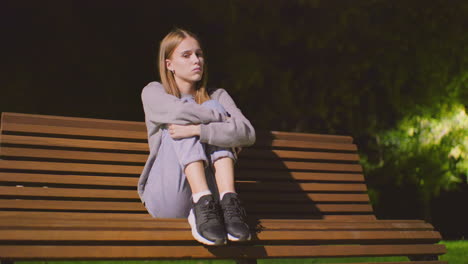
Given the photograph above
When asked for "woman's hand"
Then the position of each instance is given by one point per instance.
(183, 131)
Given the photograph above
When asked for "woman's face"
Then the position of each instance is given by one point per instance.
(187, 61)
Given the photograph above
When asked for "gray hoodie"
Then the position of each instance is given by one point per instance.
(162, 108)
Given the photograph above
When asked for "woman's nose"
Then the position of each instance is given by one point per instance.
(195, 58)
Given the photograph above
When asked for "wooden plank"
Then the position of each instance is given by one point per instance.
(345, 217)
(297, 197)
(72, 155)
(74, 143)
(128, 157)
(92, 180)
(147, 223)
(305, 136)
(290, 154)
(138, 207)
(104, 144)
(132, 194)
(295, 175)
(79, 215)
(73, 122)
(149, 252)
(309, 187)
(147, 217)
(16, 177)
(22, 178)
(298, 165)
(67, 192)
(76, 131)
(70, 167)
(180, 235)
(251, 164)
(306, 208)
(136, 169)
(303, 144)
(93, 123)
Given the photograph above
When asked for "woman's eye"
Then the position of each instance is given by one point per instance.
(186, 55)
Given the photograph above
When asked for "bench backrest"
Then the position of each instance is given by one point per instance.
(70, 164)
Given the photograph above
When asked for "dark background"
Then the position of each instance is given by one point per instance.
(338, 67)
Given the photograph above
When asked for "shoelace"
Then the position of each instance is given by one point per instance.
(209, 212)
(233, 210)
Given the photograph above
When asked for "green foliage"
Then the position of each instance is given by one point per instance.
(429, 151)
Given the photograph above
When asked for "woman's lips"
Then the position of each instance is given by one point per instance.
(197, 69)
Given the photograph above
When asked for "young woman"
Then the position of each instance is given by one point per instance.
(192, 134)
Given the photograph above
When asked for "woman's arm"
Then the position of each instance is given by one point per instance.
(236, 131)
(164, 108)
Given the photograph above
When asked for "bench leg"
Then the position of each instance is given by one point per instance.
(246, 261)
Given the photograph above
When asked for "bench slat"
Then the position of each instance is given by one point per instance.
(72, 122)
(140, 224)
(44, 122)
(136, 169)
(129, 157)
(74, 143)
(76, 131)
(275, 186)
(136, 146)
(46, 179)
(73, 155)
(148, 252)
(305, 136)
(175, 235)
(135, 207)
(132, 194)
(132, 181)
(309, 187)
(290, 154)
(139, 208)
(297, 165)
(16, 177)
(70, 167)
(300, 176)
(146, 217)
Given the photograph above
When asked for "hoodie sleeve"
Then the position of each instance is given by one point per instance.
(163, 108)
(236, 131)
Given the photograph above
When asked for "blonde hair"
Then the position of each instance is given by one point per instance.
(166, 49)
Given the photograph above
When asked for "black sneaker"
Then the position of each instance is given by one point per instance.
(235, 218)
(206, 222)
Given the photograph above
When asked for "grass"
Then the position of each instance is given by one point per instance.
(457, 253)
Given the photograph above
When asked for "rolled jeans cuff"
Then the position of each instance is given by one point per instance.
(219, 152)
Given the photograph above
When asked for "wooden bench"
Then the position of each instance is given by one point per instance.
(68, 192)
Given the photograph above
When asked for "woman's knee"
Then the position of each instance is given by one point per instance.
(186, 150)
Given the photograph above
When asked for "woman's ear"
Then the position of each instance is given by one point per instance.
(169, 64)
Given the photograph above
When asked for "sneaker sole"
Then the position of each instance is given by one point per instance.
(233, 238)
(197, 236)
